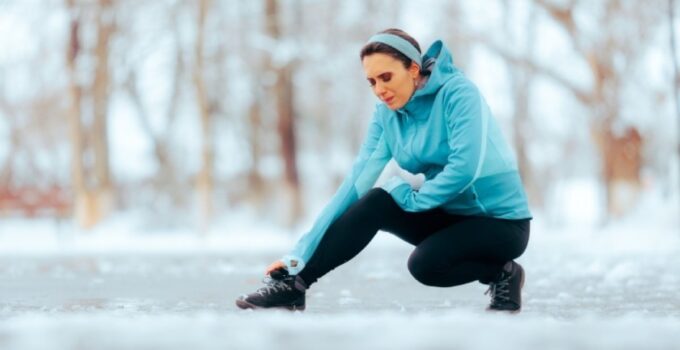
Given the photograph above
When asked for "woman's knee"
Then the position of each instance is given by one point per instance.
(423, 269)
(377, 198)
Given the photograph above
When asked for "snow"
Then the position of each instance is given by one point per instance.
(588, 287)
(386, 330)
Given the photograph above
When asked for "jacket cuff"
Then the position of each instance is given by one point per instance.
(391, 184)
(294, 264)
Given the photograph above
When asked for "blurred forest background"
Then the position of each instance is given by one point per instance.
(193, 111)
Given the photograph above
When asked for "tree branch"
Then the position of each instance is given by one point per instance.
(564, 16)
(586, 97)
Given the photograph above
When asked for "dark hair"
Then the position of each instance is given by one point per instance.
(376, 47)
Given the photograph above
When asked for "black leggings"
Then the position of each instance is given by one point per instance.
(450, 249)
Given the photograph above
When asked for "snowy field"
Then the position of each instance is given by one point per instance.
(610, 288)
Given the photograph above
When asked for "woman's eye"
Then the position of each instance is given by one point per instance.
(387, 78)
(371, 82)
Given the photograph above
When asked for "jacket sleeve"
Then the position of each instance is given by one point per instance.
(467, 117)
(369, 164)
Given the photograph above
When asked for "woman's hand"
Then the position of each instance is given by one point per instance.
(276, 265)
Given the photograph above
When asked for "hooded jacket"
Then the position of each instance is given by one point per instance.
(446, 132)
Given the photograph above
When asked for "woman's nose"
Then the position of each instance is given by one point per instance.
(379, 89)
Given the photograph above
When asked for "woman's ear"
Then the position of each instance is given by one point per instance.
(414, 70)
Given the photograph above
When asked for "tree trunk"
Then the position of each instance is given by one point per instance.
(286, 128)
(92, 190)
(166, 178)
(255, 181)
(676, 73)
(101, 91)
(283, 92)
(83, 210)
(243, 24)
(521, 79)
(205, 176)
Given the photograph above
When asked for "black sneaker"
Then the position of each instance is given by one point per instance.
(506, 290)
(281, 290)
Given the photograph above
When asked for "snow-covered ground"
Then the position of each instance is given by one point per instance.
(609, 288)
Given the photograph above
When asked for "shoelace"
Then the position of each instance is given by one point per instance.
(500, 291)
(273, 285)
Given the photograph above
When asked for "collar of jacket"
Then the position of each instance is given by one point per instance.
(442, 70)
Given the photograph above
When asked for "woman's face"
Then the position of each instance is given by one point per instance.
(390, 81)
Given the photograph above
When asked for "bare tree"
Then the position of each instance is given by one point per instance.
(93, 190)
(101, 90)
(520, 90)
(7, 112)
(245, 28)
(676, 69)
(604, 98)
(83, 210)
(283, 93)
(166, 183)
(205, 179)
(598, 50)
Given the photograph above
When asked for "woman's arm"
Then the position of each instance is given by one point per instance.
(369, 164)
(467, 117)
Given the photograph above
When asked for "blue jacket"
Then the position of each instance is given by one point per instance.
(445, 131)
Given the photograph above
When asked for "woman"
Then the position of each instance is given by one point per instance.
(467, 221)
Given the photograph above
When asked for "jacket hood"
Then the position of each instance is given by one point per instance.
(439, 62)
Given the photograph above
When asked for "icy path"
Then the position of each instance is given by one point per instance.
(595, 290)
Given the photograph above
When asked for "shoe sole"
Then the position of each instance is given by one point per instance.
(246, 305)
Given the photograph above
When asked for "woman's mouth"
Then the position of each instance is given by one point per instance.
(389, 100)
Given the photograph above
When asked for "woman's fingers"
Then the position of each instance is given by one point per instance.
(275, 266)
